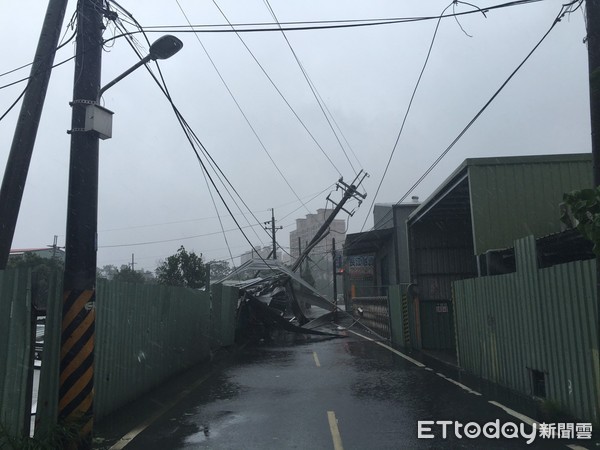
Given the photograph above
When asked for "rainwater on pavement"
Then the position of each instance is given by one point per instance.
(306, 392)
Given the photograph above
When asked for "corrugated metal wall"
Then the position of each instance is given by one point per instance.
(144, 335)
(522, 198)
(399, 315)
(441, 252)
(224, 304)
(437, 325)
(15, 341)
(396, 317)
(534, 320)
(47, 409)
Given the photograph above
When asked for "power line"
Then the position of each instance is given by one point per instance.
(61, 44)
(22, 94)
(412, 97)
(565, 9)
(310, 83)
(492, 98)
(316, 25)
(241, 110)
(177, 222)
(237, 28)
(193, 138)
(279, 91)
(162, 241)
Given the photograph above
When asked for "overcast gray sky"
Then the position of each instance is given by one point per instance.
(152, 191)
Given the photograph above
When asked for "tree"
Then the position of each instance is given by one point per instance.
(182, 269)
(128, 275)
(219, 269)
(107, 271)
(582, 211)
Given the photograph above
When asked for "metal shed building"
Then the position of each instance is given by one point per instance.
(483, 206)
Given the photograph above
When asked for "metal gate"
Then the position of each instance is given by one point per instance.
(374, 313)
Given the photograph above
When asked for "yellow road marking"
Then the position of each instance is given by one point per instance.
(316, 359)
(335, 432)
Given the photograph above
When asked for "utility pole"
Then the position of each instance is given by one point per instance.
(593, 46)
(273, 231)
(334, 271)
(17, 166)
(350, 191)
(76, 391)
(133, 262)
(54, 247)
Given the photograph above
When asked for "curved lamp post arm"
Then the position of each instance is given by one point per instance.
(163, 48)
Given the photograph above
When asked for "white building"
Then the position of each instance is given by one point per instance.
(306, 229)
(259, 252)
(320, 263)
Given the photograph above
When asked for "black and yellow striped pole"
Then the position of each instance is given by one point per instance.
(76, 389)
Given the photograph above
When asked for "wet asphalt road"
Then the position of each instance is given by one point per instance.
(285, 395)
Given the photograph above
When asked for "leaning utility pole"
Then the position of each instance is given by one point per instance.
(273, 231)
(593, 46)
(76, 391)
(17, 166)
(333, 257)
(350, 191)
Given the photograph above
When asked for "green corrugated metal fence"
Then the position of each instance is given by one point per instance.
(509, 327)
(396, 319)
(224, 303)
(519, 196)
(15, 346)
(399, 312)
(437, 325)
(144, 335)
(47, 401)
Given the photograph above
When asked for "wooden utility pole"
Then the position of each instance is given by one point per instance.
(593, 46)
(76, 391)
(334, 277)
(17, 166)
(273, 231)
(350, 191)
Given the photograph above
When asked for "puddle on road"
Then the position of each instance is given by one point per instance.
(213, 426)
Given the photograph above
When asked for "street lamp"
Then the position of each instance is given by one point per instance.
(90, 122)
(163, 48)
(98, 118)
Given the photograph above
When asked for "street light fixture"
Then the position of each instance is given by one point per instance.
(163, 48)
(98, 118)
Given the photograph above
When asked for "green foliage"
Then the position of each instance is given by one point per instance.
(182, 269)
(128, 275)
(583, 213)
(58, 437)
(219, 269)
(108, 271)
(111, 272)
